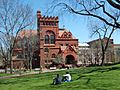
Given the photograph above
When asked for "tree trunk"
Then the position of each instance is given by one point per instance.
(103, 57)
(30, 64)
(5, 67)
(11, 65)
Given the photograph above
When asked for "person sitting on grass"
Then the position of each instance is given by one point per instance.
(57, 80)
(66, 77)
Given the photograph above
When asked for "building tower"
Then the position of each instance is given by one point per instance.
(48, 32)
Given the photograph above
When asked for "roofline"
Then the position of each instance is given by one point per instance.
(97, 40)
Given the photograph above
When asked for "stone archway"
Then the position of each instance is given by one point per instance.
(69, 59)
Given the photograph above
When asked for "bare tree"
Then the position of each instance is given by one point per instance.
(83, 55)
(30, 48)
(14, 16)
(114, 3)
(4, 53)
(90, 56)
(58, 60)
(104, 34)
(106, 12)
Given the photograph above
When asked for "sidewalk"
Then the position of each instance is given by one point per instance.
(30, 73)
(19, 75)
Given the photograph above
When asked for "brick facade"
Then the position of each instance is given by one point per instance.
(54, 41)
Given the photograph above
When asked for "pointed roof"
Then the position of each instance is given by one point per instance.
(68, 48)
(62, 31)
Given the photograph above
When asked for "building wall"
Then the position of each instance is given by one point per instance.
(116, 53)
(19, 64)
(46, 25)
(93, 53)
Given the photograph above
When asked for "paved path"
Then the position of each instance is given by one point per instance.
(30, 73)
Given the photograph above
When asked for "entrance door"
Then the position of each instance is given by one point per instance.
(36, 62)
(70, 59)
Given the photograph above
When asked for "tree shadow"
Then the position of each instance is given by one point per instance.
(13, 81)
(104, 69)
(88, 81)
(80, 77)
(101, 70)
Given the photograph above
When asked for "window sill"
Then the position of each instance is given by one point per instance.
(49, 44)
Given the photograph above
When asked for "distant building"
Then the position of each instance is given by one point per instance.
(1, 62)
(83, 53)
(116, 53)
(90, 52)
(95, 46)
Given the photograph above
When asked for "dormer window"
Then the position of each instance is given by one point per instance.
(61, 44)
(67, 44)
(69, 35)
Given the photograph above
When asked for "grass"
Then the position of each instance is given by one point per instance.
(87, 78)
(4, 74)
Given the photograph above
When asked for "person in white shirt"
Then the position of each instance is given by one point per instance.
(67, 77)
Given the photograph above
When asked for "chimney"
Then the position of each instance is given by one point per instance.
(39, 14)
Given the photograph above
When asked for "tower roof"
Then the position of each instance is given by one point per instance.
(46, 18)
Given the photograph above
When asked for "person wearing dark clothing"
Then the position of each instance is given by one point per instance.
(57, 80)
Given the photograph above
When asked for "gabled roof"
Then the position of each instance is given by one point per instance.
(62, 31)
(71, 48)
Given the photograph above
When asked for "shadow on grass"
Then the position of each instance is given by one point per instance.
(100, 69)
(80, 77)
(104, 69)
(45, 87)
(13, 81)
(88, 80)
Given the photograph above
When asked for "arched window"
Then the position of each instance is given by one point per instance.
(46, 39)
(52, 39)
(53, 55)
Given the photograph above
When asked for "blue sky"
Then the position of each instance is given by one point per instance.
(76, 24)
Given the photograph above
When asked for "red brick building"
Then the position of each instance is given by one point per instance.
(53, 42)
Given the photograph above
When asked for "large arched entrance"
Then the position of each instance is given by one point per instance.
(70, 59)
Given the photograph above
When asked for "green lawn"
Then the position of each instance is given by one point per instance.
(89, 78)
(4, 74)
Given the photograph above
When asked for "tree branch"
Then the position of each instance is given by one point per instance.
(89, 14)
(115, 5)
